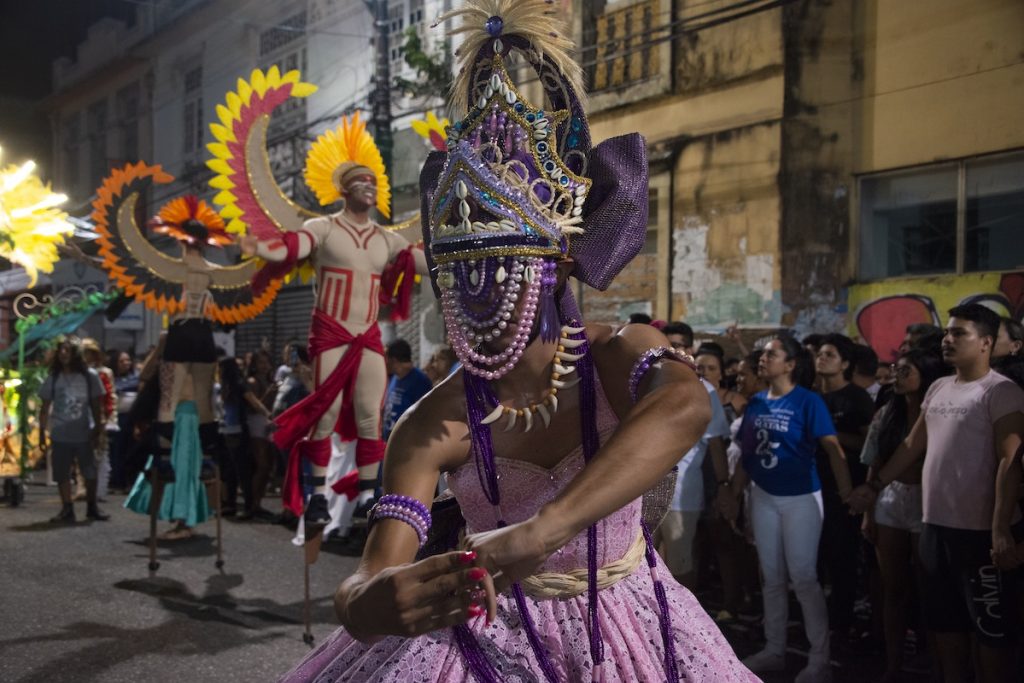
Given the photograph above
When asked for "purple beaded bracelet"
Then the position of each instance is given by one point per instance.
(646, 361)
(405, 509)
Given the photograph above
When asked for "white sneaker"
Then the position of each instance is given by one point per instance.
(765, 661)
(814, 673)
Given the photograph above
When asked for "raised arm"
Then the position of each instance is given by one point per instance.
(278, 250)
(387, 595)
(672, 414)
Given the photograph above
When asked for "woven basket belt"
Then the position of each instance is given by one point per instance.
(549, 585)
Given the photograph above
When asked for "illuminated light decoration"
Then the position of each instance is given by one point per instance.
(31, 225)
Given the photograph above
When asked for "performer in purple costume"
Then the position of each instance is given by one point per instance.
(550, 433)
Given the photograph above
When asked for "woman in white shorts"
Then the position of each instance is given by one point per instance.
(894, 526)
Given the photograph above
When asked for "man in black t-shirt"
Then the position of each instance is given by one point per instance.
(852, 409)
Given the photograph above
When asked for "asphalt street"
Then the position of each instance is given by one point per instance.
(78, 603)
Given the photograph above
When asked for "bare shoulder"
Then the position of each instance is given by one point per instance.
(434, 428)
(615, 354)
(625, 345)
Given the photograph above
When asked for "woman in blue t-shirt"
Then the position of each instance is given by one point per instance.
(781, 430)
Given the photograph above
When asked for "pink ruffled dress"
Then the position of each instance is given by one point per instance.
(628, 610)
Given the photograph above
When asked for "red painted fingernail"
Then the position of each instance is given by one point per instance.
(477, 574)
(468, 557)
(476, 610)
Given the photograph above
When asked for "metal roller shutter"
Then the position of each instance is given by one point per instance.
(287, 318)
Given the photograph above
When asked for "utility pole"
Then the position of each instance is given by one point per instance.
(380, 98)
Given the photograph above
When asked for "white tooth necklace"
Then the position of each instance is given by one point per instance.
(564, 364)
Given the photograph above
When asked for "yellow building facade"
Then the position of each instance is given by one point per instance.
(811, 160)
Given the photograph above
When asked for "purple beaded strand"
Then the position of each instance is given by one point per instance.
(646, 361)
(665, 618)
(405, 509)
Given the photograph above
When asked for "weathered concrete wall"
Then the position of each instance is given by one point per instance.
(873, 86)
(716, 232)
(822, 81)
(942, 79)
(725, 266)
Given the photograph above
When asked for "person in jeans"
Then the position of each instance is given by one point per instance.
(126, 385)
(70, 420)
(969, 433)
(781, 431)
(736, 557)
(678, 531)
(260, 383)
(894, 524)
(852, 409)
(407, 384)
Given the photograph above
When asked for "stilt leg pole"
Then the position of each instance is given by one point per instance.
(220, 540)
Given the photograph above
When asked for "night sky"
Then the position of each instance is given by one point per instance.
(35, 32)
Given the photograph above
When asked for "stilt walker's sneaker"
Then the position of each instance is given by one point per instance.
(362, 510)
(94, 514)
(764, 661)
(815, 673)
(65, 516)
(316, 514)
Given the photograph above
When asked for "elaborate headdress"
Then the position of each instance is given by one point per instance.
(31, 225)
(433, 130)
(190, 220)
(519, 188)
(341, 154)
(154, 278)
(251, 200)
(521, 185)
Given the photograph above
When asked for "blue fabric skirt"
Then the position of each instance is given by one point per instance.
(185, 498)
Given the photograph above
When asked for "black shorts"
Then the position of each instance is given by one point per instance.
(190, 341)
(963, 591)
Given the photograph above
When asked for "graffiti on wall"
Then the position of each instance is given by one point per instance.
(883, 310)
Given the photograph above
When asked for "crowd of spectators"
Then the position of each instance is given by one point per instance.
(851, 481)
(889, 487)
(108, 448)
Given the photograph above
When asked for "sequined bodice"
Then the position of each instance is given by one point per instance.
(526, 487)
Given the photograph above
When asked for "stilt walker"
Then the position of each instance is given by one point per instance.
(194, 293)
(358, 266)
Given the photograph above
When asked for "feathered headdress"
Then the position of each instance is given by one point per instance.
(521, 179)
(344, 150)
(484, 21)
(31, 225)
(191, 220)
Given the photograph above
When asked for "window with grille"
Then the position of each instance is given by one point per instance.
(288, 31)
(415, 12)
(192, 111)
(624, 49)
(71, 139)
(128, 118)
(953, 217)
(96, 120)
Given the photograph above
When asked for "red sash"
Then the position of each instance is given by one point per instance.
(296, 423)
